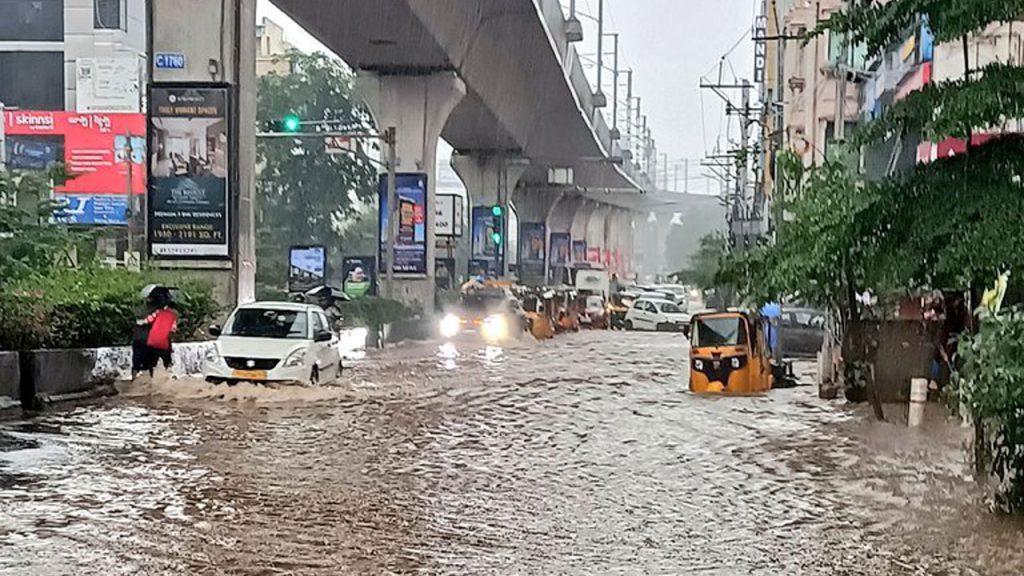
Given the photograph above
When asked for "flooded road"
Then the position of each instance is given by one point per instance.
(583, 455)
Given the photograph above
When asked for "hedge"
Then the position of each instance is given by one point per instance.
(91, 307)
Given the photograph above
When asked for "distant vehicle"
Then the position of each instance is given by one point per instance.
(680, 294)
(489, 312)
(594, 313)
(803, 331)
(660, 315)
(274, 342)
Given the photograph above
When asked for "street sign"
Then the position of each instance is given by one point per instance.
(133, 261)
(169, 61)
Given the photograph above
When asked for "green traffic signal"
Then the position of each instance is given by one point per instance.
(496, 238)
(496, 210)
(291, 123)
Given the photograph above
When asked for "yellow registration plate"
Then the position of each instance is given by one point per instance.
(249, 374)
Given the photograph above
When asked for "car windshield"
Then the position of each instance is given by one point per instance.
(670, 308)
(595, 302)
(712, 332)
(268, 323)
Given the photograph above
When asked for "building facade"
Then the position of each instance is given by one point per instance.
(51, 50)
(271, 49)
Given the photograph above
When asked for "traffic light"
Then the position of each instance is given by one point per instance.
(499, 223)
(291, 123)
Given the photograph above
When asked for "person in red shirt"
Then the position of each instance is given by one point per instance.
(162, 324)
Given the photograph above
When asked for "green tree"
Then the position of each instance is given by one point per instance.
(29, 243)
(305, 191)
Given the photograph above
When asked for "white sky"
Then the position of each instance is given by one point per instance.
(669, 44)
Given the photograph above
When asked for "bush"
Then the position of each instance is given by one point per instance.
(990, 384)
(90, 307)
(373, 311)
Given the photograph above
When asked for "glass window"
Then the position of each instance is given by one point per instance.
(670, 308)
(43, 89)
(266, 323)
(319, 325)
(107, 15)
(713, 332)
(32, 20)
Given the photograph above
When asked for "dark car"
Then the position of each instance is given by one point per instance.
(803, 331)
(492, 313)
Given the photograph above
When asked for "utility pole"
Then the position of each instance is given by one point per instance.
(599, 98)
(686, 176)
(615, 89)
(675, 178)
(629, 109)
(133, 209)
(664, 161)
(389, 287)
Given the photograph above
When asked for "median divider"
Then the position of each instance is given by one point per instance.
(10, 381)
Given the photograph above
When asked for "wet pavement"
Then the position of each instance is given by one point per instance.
(582, 455)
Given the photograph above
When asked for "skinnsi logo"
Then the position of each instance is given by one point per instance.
(33, 120)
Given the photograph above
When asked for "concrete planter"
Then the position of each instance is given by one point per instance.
(10, 381)
(62, 375)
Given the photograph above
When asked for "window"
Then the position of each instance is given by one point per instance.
(318, 325)
(670, 308)
(266, 323)
(107, 15)
(43, 89)
(32, 20)
(714, 332)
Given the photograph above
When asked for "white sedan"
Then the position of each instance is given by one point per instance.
(274, 342)
(658, 315)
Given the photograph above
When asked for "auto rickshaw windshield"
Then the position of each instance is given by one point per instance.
(717, 332)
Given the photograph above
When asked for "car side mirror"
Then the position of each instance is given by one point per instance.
(323, 337)
(686, 331)
(214, 330)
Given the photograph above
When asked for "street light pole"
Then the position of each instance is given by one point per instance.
(629, 109)
(615, 89)
(600, 101)
(390, 213)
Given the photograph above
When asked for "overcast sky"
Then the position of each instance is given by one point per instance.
(669, 44)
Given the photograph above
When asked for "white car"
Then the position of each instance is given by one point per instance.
(656, 314)
(274, 342)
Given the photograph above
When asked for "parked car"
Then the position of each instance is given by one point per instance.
(274, 342)
(594, 312)
(803, 331)
(656, 314)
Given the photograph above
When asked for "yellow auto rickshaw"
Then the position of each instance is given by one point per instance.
(538, 319)
(729, 354)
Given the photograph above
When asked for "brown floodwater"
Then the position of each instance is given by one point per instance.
(582, 455)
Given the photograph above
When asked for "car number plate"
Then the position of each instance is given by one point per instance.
(249, 374)
(717, 364)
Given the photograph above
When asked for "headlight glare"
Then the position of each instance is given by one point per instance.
(450, 326)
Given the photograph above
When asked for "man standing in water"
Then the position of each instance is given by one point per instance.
(162, 324)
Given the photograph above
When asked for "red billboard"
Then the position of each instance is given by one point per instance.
(94, 148)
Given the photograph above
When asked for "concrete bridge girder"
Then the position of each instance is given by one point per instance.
(417, 106)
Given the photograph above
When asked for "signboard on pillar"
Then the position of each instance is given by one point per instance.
(488, 243)
(360, 276)
(189, 185)
(411, 232)
(307, 268)
(448, 215)
(593, 255)
(560, 255)
(760, 49)
(579, 251)
(532, 252)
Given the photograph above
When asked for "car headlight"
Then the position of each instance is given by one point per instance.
(494, 327)
(450, 326)
(297, 358)
(735, 363)
(698, 364)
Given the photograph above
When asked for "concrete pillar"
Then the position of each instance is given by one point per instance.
(418, 108)
(559, 221)
(217, 43)
(490, 179)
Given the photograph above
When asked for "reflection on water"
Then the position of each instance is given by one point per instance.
(581, 455)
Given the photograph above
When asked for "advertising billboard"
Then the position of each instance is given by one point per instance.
(91, 210)
(190, 180)
(448, 215)
(360, 276)
(411, 238)
(532, 252)
(307, 268)
(579, 251)
(93, 148)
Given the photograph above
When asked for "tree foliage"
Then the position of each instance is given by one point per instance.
(29, 243)
(879, 24)
(304, 192)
